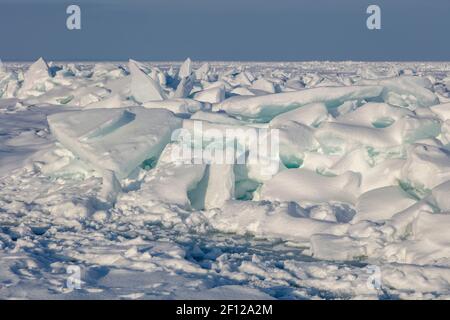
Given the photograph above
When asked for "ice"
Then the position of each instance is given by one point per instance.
(212, 95)
(220, 185)
(310, 187)
(184, 88)
(175, 105)
(295, 139)
(185, 69)
(264, 220)
(440, 195)
(263, 85)
(116, 139)
(202, 72)
(382, 203)
(442, 110)
(144, 88)
(405, 91)
(358, 185)
(311, 115)
(35, 79)
(426, 166)
(338, 248)
(267, 107)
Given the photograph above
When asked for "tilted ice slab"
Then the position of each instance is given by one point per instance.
(144, 88)
(268, 106)
(118, 140)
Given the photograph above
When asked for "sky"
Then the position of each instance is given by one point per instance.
(238, 30)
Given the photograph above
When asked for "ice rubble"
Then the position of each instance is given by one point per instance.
(364, 160)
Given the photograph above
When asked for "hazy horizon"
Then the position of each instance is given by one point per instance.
(250, 30)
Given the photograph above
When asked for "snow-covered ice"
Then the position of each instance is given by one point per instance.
(355, 205)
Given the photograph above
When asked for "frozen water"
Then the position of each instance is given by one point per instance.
(88, 179)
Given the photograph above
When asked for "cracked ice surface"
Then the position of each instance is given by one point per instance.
(357, 208)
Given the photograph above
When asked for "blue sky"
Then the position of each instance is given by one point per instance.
(262, 30)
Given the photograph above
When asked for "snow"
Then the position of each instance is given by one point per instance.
(90, 176)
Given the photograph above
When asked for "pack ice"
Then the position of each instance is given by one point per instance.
(113, 167)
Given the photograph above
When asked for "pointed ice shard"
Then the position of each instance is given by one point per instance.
(184, 88)
(118, 140)
(144, 88)
(185, 69)
(35, 76)
(202, 72)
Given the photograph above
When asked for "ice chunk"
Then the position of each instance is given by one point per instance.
(263, 85)
(378, 115)
(266, 107)
(382, 203)
(311, 115)
(336, 137)
(213, 95)
(172, 184)
(220, 185)
(342, 137)
(386, 173)
(184, 88)
(433, 228)
(216, 117)
(243, 79)
(306, 186)
(426, 166)
(144, 88)
(185, 69)
(441, 195)
(114, 101)
(242, 91)
(202, 72)
(406, 91)
(295, 139)
(442, 110)
(114, 139)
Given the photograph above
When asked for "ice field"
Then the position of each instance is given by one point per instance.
(355, 203)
